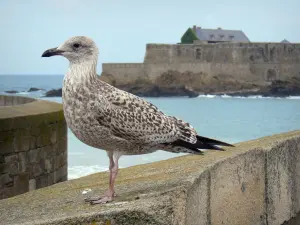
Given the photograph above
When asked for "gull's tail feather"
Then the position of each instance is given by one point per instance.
(202, 143)
(212, 141)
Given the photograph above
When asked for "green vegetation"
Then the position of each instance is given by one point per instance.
(188, 37)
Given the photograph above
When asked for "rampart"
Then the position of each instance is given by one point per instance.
(258, 62)
(33, 145)
(125, 71)
(255, 183)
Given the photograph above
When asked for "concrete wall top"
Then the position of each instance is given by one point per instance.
(18, 112)
(257, 182)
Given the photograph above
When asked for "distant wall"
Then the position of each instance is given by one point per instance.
(125, 71)
(33, 145)
(248, 61)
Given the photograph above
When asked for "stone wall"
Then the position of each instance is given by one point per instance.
(125, 71)
(33, 145)
(248, 61)
(255, 183)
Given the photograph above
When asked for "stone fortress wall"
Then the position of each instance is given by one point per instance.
(255, 62)
(33, 145)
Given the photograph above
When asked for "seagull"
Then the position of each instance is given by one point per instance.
(116, 121)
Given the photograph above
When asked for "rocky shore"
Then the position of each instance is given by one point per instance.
(173, 83)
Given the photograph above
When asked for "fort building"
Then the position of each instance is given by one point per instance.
(229, 55)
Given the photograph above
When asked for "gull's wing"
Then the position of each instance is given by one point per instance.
(134, 119)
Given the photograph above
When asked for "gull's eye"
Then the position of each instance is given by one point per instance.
(76, 45)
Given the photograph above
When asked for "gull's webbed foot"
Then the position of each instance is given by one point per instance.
(107, 197)
(102, 200)
(94, 198)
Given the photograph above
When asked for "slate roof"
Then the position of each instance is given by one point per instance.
(220, 35)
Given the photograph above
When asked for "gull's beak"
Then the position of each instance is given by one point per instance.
(51, 52)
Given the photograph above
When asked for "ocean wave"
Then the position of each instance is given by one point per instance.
(75, 172)
(207, 96)
(294, 97)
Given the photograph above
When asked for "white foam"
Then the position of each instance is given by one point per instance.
(294, 97)
(226, 96)
(23, 93)
(207, 96)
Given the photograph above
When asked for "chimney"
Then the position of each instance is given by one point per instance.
(194, 28)
(219, 28)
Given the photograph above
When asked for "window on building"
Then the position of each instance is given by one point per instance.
(198, 53)
(231, 37)
(212, 37)
(222, 37)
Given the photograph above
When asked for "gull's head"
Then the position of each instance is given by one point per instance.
(76, 49)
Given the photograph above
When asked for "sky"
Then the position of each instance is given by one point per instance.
(122, 28)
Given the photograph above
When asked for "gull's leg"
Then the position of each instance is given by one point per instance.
(114, 168)
(111, 165)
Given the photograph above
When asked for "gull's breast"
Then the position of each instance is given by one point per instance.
(80, 118)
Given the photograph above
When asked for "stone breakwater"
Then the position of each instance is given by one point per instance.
(257, 182)
(33, 145)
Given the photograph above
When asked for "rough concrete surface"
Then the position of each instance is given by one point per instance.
(254, 183)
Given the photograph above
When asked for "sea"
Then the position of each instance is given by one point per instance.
(230, 119)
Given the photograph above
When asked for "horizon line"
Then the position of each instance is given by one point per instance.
(25, 74)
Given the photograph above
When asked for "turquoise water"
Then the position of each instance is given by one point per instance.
(225, 118)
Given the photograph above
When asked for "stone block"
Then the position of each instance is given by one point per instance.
(11, 158)
(32, 184)
(23, 161)
(1, 158)
(5, 179)
(7, 145)
(44, 137)
(62, 129)
(198, 201)
(22, 144)
(10, 168)
(21, 183)
(7, 192)
(4, 135)
(35, 170)
(35, 131)
(54, 133)
(22, 140)
(60, 173)
(238, 185)
(64, 178)
(50, 178)
(49, 167)
(47, 151)
(40, 141)
(32, 142)
(34, 155)
(283, 191)
(60, 160)
(62, 145)
(42, 181)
